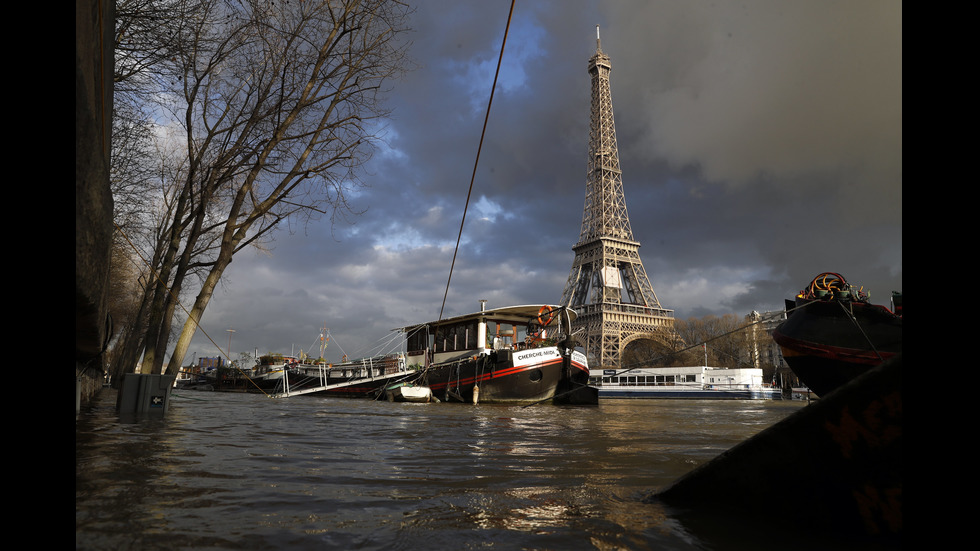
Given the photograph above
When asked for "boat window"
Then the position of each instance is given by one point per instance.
(470, 336)
(417, 340)
(505, 335)
(443, 339)
(459, 336)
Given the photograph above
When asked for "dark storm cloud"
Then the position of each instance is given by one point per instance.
(760, 144)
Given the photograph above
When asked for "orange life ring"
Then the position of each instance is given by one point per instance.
(545, 310)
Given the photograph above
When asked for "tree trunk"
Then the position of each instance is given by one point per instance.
(161, 289)
(200, 304)
(132, 342)
(179, 255)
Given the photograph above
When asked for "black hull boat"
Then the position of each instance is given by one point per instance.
(522, 376)
(517, 354)
(833, 333)
(363, 378)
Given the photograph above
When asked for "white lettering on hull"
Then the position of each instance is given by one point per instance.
(543, 355)
(537, 355)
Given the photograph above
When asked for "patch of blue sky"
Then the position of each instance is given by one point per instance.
(385, 136)
(476, 74)
(420, 232)
(489, 210)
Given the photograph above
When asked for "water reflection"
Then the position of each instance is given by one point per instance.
(247, 472)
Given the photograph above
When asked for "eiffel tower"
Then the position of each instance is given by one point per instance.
(608, 287)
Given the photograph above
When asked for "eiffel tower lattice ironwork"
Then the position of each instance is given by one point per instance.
(608, 287)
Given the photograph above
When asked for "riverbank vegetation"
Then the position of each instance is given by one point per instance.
(717, 341)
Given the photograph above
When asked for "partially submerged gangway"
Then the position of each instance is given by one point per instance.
(361, 377)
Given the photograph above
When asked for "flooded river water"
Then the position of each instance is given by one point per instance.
(243, 471)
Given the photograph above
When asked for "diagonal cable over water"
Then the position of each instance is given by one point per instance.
(477, 162)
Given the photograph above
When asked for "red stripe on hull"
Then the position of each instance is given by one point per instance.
(467, 381)
(826, 351)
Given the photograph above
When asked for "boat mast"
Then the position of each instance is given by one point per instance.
(323, 341)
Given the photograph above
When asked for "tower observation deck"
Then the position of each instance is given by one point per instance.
(607, 286)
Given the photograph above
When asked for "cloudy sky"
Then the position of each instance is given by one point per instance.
(760, 143)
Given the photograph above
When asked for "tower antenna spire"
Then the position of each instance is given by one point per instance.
(598, 43)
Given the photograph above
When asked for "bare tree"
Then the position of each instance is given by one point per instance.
(719, 341)
(276, 105)
(667, 351)
(143, 165)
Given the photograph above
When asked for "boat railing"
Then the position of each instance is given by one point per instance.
(375, 365)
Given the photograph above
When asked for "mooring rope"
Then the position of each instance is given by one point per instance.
(477, 162)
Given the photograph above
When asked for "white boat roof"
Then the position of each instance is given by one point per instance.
(678, 370)
(514, 314)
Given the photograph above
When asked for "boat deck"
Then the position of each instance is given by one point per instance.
(324, 388)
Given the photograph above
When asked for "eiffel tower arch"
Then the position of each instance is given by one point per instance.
(608, 287)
